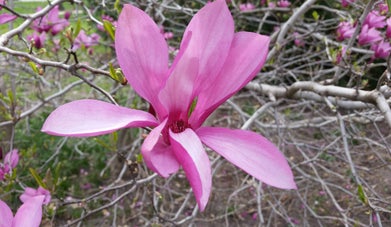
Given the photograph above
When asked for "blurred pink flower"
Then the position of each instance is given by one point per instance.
(51, 22)
(10, 161)
(345, 30)
(382, 49)
(7, 17)
(369, 35)
(85, 40)
(388, 30)
(246, 7)
(37, 39)
(283, 3)
(298, 39)
(29, 213)
(213, 63)
(31, 192)
(383, 8)
(109, 19)
(374, 20)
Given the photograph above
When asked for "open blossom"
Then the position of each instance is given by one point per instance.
(212, 64)
(369, 35)
(51, 22)
(10, 161)
(37, 39)
(29, 213)
(85, 40)
(381, 49)
(283, 3)
(345, 30)
(374, 20)
(244, 7)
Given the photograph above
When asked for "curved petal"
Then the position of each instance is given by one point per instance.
(6, 17)
(30, 213)
(204, 47)
(12, 158)
(6, 215)
(251, 152)
(89, 117)
(246, 57)
(142, 53)
(212, 30)
(158, 155)
(195, 162)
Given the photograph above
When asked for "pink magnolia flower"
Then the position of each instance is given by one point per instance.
(383, 8)
(10, 161)
(29, 213)
(283, 3)
(374, 20)
(345, 30)
(369, 35)
(7, 17)
(212, 64)
(31, 192)
(382, 49)
(37, 39)
(388, 30)
(51, 22)
(85, 40)
(246, 7)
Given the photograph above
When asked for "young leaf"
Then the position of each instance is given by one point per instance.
(37, 178)
(109, 28)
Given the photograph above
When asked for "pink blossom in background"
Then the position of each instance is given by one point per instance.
(298, 39)
(7, 17)
(346, 3)
(37, 39)
(339, 55)
(85, 40)
(369, 35)
(383, 8)
(374, 20)
(29, 213)
(51, 22)
(381, 49)
(283, 3)
(245, 7)
(166, 35)
(388, 30)
(213, 63)
(107, 18)
(31, 192)
(10, 161)
(345, 30)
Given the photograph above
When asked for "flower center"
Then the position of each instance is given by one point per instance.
(179, 126)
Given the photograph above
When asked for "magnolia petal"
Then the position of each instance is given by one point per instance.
(247, 55)
(89, 117)
(158, 155)
(195, 162)
(6, 215)
(142, 53)
(12, 158)
(6, 17)
(212, 31)
(251, 152)
(30, 213)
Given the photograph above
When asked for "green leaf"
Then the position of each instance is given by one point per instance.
(37, 178)
(389, 5)
(77, 29)
(109, 28)
(361, 194)
(116, 6)
(33, 67)
(315, 15)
